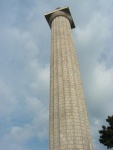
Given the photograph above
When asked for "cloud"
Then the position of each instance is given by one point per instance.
(7, 99)
(19, 134)
(34, 128)
(40, 117)
(24, 90)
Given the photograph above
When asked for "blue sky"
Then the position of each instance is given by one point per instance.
(25, 62)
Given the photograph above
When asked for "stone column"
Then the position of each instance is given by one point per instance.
(68, 121)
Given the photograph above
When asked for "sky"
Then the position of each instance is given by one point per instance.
(25, 41)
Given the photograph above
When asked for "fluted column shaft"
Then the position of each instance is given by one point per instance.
(68, 121)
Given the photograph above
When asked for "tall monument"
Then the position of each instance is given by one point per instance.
(68, 121)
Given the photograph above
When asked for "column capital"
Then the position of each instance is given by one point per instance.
(60, 12)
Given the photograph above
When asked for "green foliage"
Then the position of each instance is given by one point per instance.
(106, 134)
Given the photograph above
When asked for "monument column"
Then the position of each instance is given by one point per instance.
(68, 121)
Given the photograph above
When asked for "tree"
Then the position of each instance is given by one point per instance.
(106, 134)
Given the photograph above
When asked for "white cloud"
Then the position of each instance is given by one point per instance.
(37, 128)
(102, 79)
(40, 82)
(40, 118)
(19, 134)
(7, 99)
